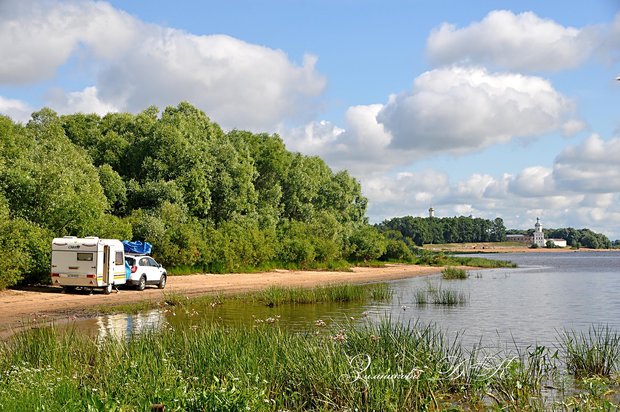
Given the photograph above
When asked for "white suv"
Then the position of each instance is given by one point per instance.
(145, 271)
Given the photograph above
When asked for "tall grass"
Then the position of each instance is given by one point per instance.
(441, 259)
(386, 366)
(382, 366)
(276, 295)
(437, 294)
(451, 272)
(595, 353)
(272, 296)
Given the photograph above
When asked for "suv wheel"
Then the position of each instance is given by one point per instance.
(142, 283)
(162, 282)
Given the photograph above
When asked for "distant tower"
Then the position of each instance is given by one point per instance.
(431, 212)
(539, 236)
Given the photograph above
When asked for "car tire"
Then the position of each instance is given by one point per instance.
(108, 289)
(141, 283)
(162, 282)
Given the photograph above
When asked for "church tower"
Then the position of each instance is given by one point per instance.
(539, 236)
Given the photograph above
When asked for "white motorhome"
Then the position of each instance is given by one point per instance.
(88, 262)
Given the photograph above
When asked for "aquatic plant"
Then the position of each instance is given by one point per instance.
(382, 366)
(437, 294)
(595, 353)
(451, 272)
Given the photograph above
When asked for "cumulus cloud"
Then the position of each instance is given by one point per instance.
(37, 37)
(449, 111)
(458, 110)
(514, 41)
(15, 109)
(237, 83)
(591, 166)
(533, 181)
(85, 101)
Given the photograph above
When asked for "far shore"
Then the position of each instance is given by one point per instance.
(489, 247)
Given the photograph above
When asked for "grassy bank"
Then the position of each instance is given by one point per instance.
(385, 366)
(272, 296)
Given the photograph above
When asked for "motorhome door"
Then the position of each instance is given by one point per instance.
(106, 264)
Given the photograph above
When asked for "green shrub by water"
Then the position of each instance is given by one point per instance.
(453, 273)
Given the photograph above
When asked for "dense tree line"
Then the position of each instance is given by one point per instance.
(446, 230)
(219, 201)
(574, 237)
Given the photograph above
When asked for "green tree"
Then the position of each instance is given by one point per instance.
(367, 243)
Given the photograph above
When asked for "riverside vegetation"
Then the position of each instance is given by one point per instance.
(380, 366)
(208, 200)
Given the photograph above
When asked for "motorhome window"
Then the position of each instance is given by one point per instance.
(85, 257)
(118, 260)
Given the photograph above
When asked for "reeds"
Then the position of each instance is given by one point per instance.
(437, 294)
(451, 272)
(381, 366)
(595, 353)
(272, 296)
(276, 295)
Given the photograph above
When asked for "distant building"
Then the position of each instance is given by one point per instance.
(519, 238)
(538, 238)
(431, 212)
(558, 242)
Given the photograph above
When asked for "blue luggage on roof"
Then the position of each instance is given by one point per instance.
(137, 247)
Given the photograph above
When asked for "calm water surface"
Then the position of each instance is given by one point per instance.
(527, 305)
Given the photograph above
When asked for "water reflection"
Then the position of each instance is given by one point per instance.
(121, 325)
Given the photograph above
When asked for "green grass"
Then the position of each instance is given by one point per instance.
(450, 273)
(275, 295)
(595, 353)
(272, 296)
(437, 294)
(430, 258)
(382, 366)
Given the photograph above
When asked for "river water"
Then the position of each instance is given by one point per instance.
(529, 305)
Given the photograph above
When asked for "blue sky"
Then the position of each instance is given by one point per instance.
(505, 109)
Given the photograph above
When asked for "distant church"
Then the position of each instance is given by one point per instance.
(538, 238)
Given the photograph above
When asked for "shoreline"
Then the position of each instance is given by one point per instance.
(32, 306)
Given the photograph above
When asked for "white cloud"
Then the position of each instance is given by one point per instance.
(458, 110)
(572, 127)
(85, 101)
(238, 84)
(37, 37)
(533, 181)
(15, 109)
(513, 41)
(590, 167)
(362, 146)
(314, 138)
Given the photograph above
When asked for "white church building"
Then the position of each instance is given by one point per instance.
(538, 237)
